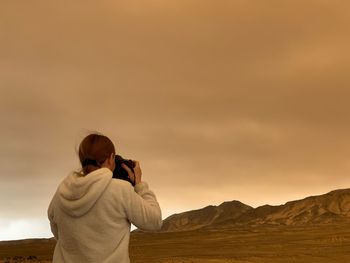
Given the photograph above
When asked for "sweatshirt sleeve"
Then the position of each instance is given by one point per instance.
(142, 208)
(53, 225)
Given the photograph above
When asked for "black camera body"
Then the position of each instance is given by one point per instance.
(119, 172)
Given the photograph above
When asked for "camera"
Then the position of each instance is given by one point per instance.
(119, 172)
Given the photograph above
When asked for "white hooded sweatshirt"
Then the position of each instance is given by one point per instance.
(90, 217)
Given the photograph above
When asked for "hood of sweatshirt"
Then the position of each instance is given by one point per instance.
(78, 193)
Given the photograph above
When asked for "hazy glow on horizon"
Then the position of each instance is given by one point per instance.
(219, 101)
(23, 228)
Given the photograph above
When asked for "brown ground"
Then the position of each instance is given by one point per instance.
(319, 244)
(273, 244)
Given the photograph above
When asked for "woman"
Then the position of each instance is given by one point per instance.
(90, 213)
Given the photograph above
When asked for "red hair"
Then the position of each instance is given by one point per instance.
(93, 151)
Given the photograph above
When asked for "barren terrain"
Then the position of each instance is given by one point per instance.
(246, 244)
(314, 229)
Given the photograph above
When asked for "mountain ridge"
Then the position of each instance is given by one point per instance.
(331, 207)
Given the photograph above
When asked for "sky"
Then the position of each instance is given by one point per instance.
(218, 100)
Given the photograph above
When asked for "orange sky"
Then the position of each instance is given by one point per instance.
(218, 100)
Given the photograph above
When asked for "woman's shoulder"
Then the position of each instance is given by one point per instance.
(121, 185)
(119, 189)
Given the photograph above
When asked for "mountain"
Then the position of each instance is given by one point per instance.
(333, 207)
(328, 208)
(208, 215)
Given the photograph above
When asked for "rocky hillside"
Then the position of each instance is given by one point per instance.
(208, 215)
(328, 208)
(331, 207)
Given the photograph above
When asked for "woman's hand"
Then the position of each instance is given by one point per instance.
(134, 177)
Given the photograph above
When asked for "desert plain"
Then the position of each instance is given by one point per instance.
(315, 229)
(325, 243)
(246, 244)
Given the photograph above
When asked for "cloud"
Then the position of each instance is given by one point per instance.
(218, 101)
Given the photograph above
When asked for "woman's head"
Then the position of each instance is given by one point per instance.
(94, 151)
